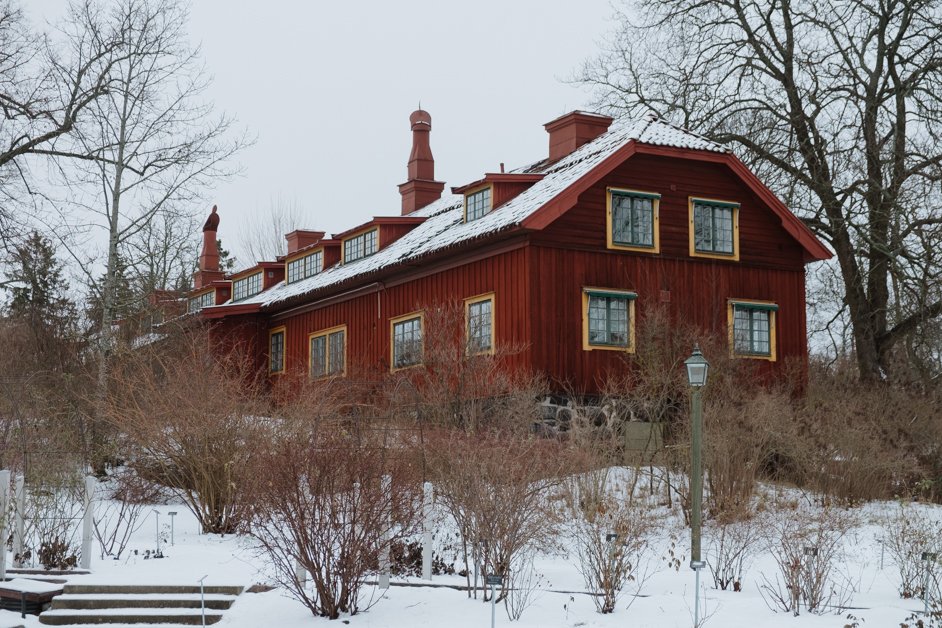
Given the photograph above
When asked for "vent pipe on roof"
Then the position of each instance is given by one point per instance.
(569, 132)
(421, 188)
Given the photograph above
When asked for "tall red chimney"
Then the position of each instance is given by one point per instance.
(208, 270)
(421, 188)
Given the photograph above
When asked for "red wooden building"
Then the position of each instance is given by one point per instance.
(559, 258)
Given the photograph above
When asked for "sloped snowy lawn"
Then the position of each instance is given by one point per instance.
(666, 598)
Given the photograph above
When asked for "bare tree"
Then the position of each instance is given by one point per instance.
(46, 86)
(836, 105)
(156, 145)
(262, 237)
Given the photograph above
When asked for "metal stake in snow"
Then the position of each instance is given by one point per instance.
(19, 531)
(384, 560)
(696, 565)
(494, 582)
(428, 496)
(87, 520)
(203, 599)
(927, 558)
(157, 513)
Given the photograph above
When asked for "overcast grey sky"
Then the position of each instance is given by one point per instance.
(327, 89)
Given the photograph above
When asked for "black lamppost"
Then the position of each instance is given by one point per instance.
(697, 369)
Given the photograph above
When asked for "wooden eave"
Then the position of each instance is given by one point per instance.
(225, 310)
(395, 274)
(310, 248)
(260, 267)
(814, 250)
(499, 177)
(379, 221)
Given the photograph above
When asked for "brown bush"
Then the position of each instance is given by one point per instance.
(497, 487)
(330, 500)
(456, 387)
(188, 419)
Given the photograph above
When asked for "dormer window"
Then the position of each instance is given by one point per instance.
(361, 245)
(477, 204)
(197, 303)
(306, 266)
(247, 286)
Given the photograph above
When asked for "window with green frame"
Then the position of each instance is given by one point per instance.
(276, 353)
(714, 227)
(753, 329)
(634, 218)
(608, 319)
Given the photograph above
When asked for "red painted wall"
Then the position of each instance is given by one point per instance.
(538, 285)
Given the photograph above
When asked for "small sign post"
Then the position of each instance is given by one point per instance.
(493, 581)
(928, 558)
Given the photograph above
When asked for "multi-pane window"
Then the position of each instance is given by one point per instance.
(328, 351)
(407, 341)
(477, 204)
(753, 332)
(633, 219)
(360, 246)
(246, 287)
(197, 303)
(306, 266)
(480, 320)
(714, 227)
(276, 351)
(608, 319)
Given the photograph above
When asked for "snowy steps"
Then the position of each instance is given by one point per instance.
(130, 605)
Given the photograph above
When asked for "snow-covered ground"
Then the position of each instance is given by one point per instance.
(666, 599)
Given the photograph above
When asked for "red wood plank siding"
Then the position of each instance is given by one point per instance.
(761, 237)
(367, 316)
(699, 292)
(571, 253)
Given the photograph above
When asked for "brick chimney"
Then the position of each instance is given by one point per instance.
(421, 188)
(209, 258)
(299, 238)
(569, 132)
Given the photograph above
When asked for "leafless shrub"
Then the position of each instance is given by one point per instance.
(525, 583)
(189, 419)
(907, 535)
(54, 507)
(119, 505)
(609, 531)
(808, 548)
(496, 487)
(321, 502)
(730, 549)
(459, 387)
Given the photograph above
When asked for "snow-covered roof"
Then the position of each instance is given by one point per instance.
(446, 228)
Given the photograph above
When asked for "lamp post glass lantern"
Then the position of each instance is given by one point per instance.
(697, 369)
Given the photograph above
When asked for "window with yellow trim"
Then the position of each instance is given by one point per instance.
(752, 329)
(479, 324)
(608, 317)
(328, 352)
(276, 350)
(406, 341)
(633, 220)
(477, 204)
(359, 246)
(304, 267)
(714, 228)
(247, 286)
